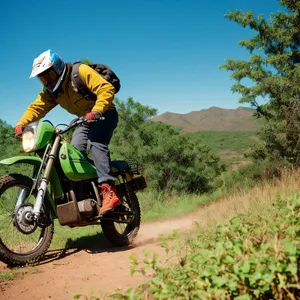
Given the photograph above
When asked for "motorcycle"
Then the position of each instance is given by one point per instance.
(63, 186)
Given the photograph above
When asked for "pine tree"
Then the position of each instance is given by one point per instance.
(274, 72)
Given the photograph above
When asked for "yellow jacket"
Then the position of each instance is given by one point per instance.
(73, 102)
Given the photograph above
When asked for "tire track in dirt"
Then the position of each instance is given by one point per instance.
(64, 273)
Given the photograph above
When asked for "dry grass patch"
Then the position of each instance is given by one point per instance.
(255, 199)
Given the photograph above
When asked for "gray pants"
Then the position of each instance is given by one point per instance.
(96, 138)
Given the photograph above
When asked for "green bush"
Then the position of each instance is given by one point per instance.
(247, 176)
(237, 264)
(172, 162)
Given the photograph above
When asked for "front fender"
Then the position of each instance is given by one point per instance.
(36, 161)
(32, 160)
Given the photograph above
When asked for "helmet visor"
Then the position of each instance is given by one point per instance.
(49, 78)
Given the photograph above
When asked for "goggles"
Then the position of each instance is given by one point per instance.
(48, 78)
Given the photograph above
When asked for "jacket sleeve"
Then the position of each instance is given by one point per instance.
(104, 90)
(37, 109)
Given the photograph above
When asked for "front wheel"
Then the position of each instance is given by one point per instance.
(22, 241)
(119, 233)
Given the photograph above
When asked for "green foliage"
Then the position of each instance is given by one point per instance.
(241, 179)
(6, 276)
(9, 146)
(248, 176)
(172, 162)
(238, 262)
(274, 74)
(157, 206)
(233, 147)
(226, 140)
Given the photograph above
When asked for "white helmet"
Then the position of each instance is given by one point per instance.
(50, 69)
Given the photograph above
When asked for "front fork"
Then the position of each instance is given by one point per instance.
(44, 182)
(21, 198)
(45, 179)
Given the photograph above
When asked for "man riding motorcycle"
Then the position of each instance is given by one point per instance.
(54, 74)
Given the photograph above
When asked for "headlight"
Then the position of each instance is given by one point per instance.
(37, 135)
(28, 138)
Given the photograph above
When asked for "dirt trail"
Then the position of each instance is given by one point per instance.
(64, 273)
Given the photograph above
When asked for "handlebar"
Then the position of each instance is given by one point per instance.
(72, 124)
(77, 122)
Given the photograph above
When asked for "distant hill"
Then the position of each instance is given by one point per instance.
(213, 119)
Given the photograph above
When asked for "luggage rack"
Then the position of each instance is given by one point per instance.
(136, 167)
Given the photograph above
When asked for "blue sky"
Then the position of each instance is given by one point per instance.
(166, 52)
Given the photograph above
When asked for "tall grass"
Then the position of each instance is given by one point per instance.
(155, 206)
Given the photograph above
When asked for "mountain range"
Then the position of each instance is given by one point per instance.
(212, 119)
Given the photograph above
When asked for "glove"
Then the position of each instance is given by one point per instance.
(18, 130)
(93, 115)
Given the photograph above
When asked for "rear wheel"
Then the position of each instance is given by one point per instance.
(22, 240)
(122, 233)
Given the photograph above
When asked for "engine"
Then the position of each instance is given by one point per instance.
(87, 207)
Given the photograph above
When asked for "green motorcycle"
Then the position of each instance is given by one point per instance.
(63, 186)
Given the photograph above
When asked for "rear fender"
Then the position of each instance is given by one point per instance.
(36, 161)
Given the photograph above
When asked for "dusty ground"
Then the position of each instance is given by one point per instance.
(65, 273)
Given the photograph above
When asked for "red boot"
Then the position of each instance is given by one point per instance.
(110, 198)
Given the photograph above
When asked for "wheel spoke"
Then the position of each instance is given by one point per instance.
(120, 233)
(21, 240)
(11, 237)
(121, 227)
